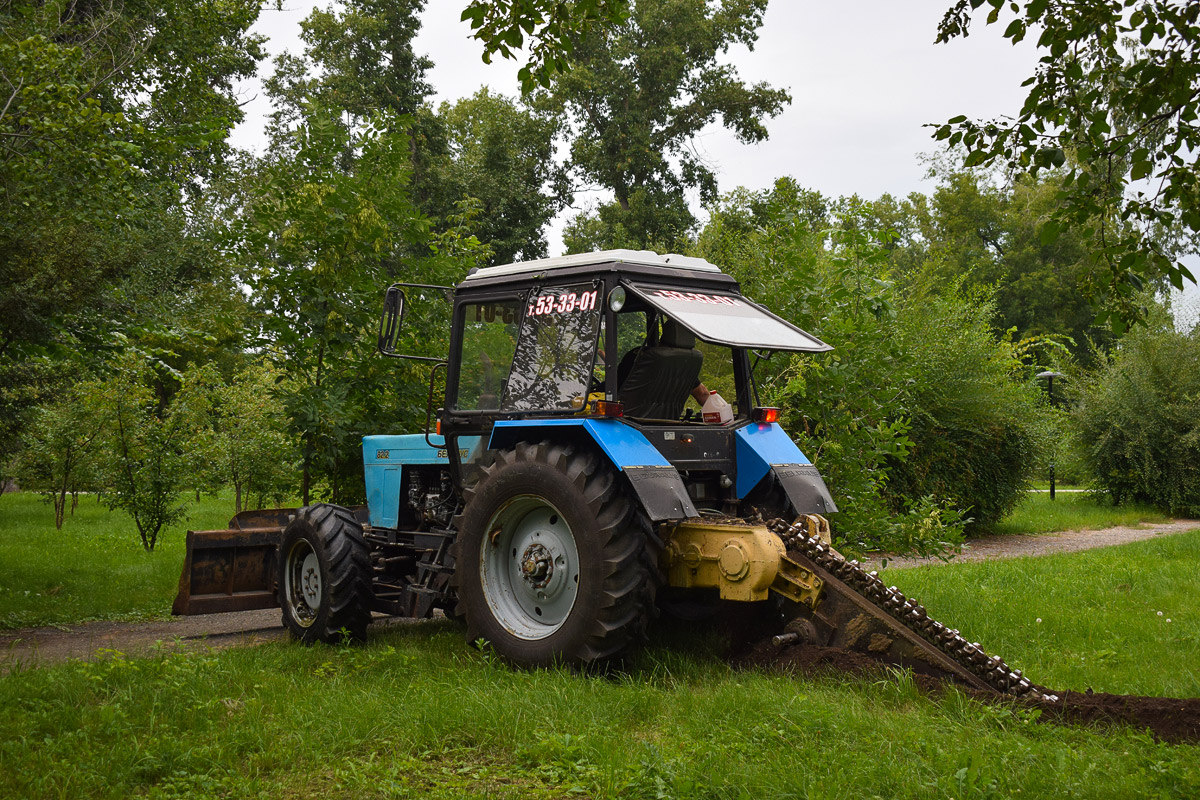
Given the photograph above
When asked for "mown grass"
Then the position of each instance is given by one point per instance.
(1037, 513)
(94, 568)
(1080, 620)
(417, 713)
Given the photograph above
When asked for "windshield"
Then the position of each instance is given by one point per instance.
(729, 319)
(552, 365)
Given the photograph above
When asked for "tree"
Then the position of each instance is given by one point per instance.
(502, 154)
(324, 215)
(147, 458)
(243, 443)
(979, 234)
(60, 444)
(1137, 418)
(638, 94)
(1114, 104)
(111, 116)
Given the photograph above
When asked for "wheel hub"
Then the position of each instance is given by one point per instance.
(311, 580)
(537, 565)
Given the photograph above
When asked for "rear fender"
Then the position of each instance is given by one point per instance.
(654, 481)
(765, 448)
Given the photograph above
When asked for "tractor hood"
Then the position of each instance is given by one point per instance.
(728, 319)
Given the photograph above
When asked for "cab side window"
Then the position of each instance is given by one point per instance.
(489, 340)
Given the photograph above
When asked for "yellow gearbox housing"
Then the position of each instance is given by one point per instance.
(743, 562)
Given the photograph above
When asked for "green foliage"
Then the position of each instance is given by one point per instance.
(552, 27)
(1113, 106)
(502, 154)
(1137, 419)
(637, 96)
(146, 460)
(111, 115)
(322, 219)
(58, 456)
(243, 443)
(980, 424)
(979, 234)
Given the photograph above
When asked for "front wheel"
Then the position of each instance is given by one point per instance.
(551, 563)
(325, 576)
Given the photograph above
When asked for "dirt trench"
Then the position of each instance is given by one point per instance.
(1170, 719)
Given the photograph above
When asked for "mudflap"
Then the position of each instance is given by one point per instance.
(232, 569)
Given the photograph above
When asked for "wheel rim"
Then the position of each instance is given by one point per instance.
(302, 582)
(530, 566)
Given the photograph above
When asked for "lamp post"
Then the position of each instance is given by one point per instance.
(1050, 376)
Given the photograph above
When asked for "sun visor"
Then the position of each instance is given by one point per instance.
(729, 319)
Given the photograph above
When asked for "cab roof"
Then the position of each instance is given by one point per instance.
(646, 258)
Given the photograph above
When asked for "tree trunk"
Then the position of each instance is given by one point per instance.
(237, 498)
(74, 501)
(60, 504)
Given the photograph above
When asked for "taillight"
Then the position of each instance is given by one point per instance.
(438, 428)
(764, 415)
(609, 408)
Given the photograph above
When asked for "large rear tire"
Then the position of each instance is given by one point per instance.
(325, 576)
(552, 560)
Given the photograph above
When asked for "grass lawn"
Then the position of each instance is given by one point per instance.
(417, 713)
(95, 567)
(1080, 620)
(1037, 513)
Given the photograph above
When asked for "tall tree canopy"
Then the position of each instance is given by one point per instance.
(359, 61)
(639, 93)
(1115, 104)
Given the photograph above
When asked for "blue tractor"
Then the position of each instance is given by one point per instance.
(584, 473)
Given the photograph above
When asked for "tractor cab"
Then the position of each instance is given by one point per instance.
(622, 349)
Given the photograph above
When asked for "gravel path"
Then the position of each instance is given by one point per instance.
(1022, 546)
(27, 647)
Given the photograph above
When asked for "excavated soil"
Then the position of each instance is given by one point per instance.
(1169, 719)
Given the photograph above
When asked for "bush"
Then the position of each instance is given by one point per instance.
(1137, 420)
(978, 425)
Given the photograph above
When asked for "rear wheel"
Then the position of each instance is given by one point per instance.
(551, 565)
(325, 576)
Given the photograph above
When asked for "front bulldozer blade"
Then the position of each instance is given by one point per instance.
(232, 569)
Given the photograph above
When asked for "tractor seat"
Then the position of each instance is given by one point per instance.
(660, 378)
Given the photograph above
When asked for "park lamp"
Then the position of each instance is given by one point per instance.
(1050, 375)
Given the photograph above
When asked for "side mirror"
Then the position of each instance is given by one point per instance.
(393, 317)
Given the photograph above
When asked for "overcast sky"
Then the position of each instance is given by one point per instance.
(864, 76)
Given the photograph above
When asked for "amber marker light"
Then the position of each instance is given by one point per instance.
(609, 408)
(765, 415)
